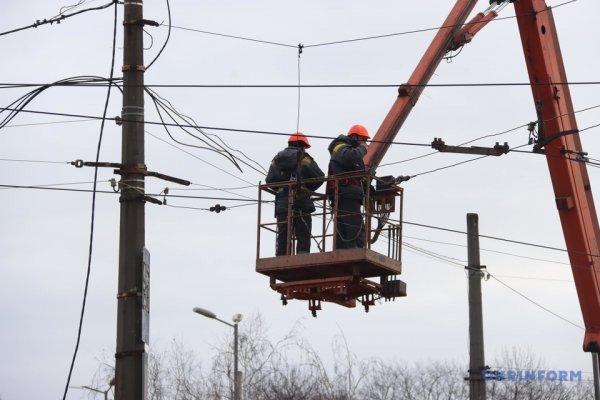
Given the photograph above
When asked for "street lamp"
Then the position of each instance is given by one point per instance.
(237, 378)
(104, 392)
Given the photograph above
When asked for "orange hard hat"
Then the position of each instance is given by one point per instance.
(360, 131)
(299, 137)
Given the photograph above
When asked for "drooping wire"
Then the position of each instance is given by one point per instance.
(151, 39)
(34, 161)
(326, 86)
(17, 106)
(235, 130)
(354, 39)
(57, 189)
(49, 123)
(91, 241)
(535, 302)
(166, 40)
(198, 158)
(445, 260)
(49, 185)
(488, 250)
(71, 7)
(491, 237)
(58, 18)
(214, 142)
(300, 46)
(231, 36)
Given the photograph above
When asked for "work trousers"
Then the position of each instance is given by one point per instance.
(302, 227)
(350, 227)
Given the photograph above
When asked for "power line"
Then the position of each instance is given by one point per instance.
(488, 250)
(199, 159)
(461, 264)
(34, 161)
(445, 260)
(48, 187)
(255, 200)
(237, 130)
(245, 38)
(447, 166)
(58, 19)
(91, 240)
(310, 86)
(214, 142)
(231, 36)
(207, 187)
(535, 278)
(437, 256)
(48, 123)
(534, 302)
(495, 134)
(491, 237)
(166, 40)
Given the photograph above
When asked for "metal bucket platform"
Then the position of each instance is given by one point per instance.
(364, 263)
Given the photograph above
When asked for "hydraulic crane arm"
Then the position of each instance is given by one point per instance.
(559, 137)
(409, 94)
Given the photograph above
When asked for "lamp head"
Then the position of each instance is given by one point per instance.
(237, 318)
(206, 313)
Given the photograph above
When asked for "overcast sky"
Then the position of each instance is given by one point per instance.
(199, 258)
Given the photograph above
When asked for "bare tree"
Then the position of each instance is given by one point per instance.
(520, 359)
(291, 369)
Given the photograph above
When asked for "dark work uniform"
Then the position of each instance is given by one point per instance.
(284, 167)
(347, 157)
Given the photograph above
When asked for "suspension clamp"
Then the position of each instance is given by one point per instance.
(141, 22)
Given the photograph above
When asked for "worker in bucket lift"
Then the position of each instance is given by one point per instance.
(294, 164)
(347, 152)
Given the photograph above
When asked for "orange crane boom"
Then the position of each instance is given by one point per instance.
(558, 135)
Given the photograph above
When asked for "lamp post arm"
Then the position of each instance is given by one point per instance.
(225, 322)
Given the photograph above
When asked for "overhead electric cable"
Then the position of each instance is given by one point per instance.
(159, 195)
(49, 123)
(237, 130)
(91, 239)
(310, 86)
(495, 238)
(230, 36)
(48, 185)
(198, 158)
(34, 161)
(456, 265)
(18, 105)
(207, 187)
(354, 39)
(489, 250)
(71, 7)
(166, 40)
(533, 278)
(58, 19)
(534, 302)
(214, 142)
(299, 90)
(447, 166)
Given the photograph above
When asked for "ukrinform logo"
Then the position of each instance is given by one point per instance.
(530, 375)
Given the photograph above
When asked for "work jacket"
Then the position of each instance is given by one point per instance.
(284, 167)
(346, 158)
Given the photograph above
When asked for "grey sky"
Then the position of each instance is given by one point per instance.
(206, 259)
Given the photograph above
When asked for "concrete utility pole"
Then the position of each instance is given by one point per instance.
(476, 353)
(132, 297)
